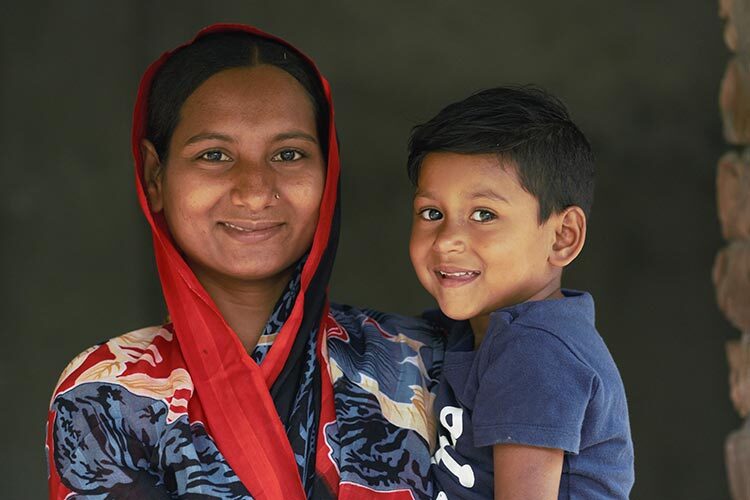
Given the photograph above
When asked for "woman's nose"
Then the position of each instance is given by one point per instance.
(252, 185)
(449, 238)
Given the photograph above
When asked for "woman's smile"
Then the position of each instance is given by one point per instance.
(252, 231)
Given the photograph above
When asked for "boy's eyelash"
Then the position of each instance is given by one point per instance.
(422, 211)
(492, 214)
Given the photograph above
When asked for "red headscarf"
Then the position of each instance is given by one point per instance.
(234, 391)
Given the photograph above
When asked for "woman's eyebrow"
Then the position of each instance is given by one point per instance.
(296, 134)
(209, 136)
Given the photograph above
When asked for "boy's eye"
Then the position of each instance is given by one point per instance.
(430, 214)
(214, 156)
(482, 216)
(287, 155)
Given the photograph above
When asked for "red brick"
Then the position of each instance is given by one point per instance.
(734, 101)
(726, 9)
(733, 195)
(731, 276)
(738, 357)
(737, 454)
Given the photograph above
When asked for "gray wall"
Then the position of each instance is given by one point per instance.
(641, 78)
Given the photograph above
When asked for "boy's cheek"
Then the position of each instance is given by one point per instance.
(419, 262)
(414, 246)
(417, 255)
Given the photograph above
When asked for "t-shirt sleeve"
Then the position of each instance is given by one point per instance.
(532, 390)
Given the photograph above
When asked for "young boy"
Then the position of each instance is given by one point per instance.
(531, 405)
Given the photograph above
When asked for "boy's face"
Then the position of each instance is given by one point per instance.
(476, 242)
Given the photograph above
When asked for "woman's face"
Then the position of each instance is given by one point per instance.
(244, 178)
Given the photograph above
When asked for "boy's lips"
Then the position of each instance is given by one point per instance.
(452, 276)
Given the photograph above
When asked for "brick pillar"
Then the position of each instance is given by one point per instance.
(731, 271)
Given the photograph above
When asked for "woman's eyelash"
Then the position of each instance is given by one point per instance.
(284, 156)
(214, 155)
(288, 155)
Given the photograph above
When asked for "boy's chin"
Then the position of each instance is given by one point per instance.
(457, 313)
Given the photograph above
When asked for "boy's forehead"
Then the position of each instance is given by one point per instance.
(473, 173)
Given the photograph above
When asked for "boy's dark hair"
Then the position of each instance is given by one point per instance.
(190, 66)
(525, 126)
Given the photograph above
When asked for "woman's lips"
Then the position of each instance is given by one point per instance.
(452, 277)
(251, 231)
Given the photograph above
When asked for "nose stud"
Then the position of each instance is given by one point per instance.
(276, 195)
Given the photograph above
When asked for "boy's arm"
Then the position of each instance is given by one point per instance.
(526, 472)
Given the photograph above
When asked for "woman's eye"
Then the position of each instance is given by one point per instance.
(287, 155)
(214, 156)
(430, 214)
(482, 216)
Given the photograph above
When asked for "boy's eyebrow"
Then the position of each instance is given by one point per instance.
(488, 193)
(424, 194)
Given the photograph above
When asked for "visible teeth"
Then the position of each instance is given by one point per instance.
(457, 275)
(238, 228)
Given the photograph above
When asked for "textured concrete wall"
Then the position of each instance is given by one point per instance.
(732, 266)
(641, 79)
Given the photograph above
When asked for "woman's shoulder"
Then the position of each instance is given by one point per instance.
(136, 359)
(389, 348)
(119, 401)
(364, 321)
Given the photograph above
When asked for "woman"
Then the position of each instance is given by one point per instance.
(256, 389)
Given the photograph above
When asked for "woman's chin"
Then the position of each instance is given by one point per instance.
(249, 274)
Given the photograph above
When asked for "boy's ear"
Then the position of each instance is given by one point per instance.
(152, 173)
(570, 235)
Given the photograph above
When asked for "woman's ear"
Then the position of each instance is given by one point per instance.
(570, 235)
(152, 173)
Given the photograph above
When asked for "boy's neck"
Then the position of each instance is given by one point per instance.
(480, 323)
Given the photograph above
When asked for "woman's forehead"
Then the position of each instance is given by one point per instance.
(253, 96)
(250, 86)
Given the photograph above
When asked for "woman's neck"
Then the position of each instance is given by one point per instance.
(245, 305)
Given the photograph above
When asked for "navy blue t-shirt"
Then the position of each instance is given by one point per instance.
(541, 377)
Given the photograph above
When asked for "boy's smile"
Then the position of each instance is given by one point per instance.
(476, 241)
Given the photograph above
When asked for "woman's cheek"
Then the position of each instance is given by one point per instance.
(308, 193)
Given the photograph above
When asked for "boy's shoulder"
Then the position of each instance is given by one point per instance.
(569, 321)
(574, 310)
(555, 339)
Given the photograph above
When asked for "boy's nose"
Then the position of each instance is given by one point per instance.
(252, 185)
(449, 239)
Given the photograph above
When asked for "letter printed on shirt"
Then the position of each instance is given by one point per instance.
(455, 428)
